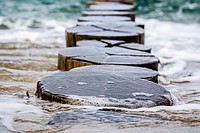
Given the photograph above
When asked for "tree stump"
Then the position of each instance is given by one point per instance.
(99, 89)
(127, 33)
(113, 43)
(81, 56)
(129, 72)
(130, 14)
(110, 6)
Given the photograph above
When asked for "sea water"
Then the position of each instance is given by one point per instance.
(31, 34)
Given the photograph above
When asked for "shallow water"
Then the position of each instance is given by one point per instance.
(29, 52)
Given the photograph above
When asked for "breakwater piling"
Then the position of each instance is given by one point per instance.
(106, 62)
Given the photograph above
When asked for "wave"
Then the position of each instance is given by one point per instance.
(183, 11)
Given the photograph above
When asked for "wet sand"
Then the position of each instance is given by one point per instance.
(152, 129)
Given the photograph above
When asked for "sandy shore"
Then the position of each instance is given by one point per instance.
(155, 129)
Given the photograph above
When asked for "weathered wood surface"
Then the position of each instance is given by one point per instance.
(127, 33)
(113, 43)
(81, 56)
(91, 43)
(100, 43)
(110, 7)
(135, 46)
(94, 2)
(96, 22)
(129, 72)
(130, 14)
(127, 1)
(102, 90)
(103, 19)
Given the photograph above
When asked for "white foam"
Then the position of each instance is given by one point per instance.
(173, 43)
(176, 45)
(10, 105)
(51, 31)
(175, 40)
(174, 67)
(182, 107)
